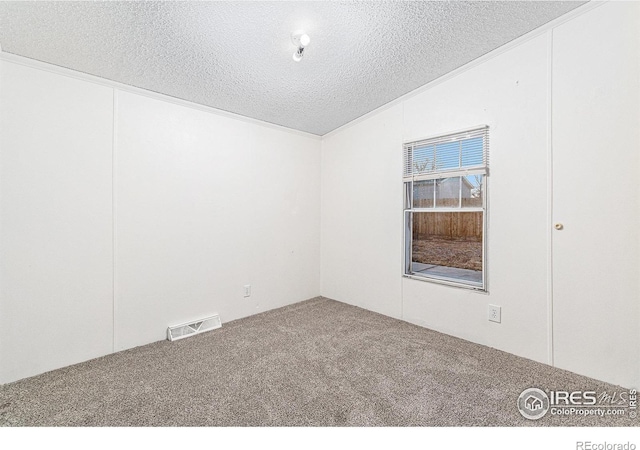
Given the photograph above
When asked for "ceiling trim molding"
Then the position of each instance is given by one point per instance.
(82, 76)
(476, 62)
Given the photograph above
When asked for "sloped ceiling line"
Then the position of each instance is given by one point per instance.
(237, 56)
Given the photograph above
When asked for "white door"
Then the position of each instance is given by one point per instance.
(596, 194)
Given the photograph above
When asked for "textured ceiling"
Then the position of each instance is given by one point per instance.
(236, 56)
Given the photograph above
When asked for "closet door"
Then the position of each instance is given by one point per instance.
(596, 194)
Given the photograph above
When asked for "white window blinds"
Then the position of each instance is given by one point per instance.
(467, 151)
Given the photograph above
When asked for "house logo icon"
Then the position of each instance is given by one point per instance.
(533, 403)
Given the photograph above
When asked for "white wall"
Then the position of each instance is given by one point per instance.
(55, 221)
(361, 216)
(508, 93)
(512, 93)
(203, 204)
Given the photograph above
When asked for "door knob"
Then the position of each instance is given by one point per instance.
(559, 226)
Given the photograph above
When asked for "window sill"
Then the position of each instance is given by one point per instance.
(477, 287)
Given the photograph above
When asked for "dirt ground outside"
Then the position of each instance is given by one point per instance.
(463, 254)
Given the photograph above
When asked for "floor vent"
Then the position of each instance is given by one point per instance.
(191, 329)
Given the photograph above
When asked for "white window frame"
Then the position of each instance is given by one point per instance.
(409, 210)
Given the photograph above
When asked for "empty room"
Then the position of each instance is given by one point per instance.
(320, 214)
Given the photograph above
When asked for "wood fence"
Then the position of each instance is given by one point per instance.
(448, 225)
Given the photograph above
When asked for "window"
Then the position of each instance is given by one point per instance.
(445, 209)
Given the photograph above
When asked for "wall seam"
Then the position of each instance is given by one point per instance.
(114, 146)
(550, 197)
(321, 250)
(402, 234)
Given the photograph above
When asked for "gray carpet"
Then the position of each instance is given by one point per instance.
(315, 363)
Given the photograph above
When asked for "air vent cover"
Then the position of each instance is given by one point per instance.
(192, 328)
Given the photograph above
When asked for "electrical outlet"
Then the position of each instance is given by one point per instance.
(495, 313)
(247, 290)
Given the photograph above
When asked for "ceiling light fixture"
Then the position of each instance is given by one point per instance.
(300, 40)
